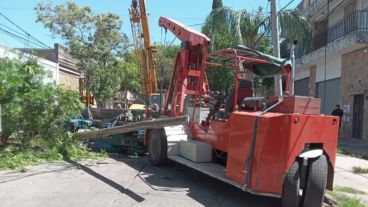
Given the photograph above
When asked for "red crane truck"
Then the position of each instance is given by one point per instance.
(274, 146)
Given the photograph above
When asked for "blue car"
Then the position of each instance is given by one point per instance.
(77, 122)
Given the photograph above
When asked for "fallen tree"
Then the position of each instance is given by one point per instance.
(134, 126)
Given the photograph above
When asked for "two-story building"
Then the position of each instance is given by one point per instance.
(336, 67)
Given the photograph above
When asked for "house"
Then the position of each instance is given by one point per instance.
(126, 98)
(49, 66)
(68, 74)
(335, 68)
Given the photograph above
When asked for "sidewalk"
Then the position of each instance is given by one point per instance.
(356, 147)
(345, 177)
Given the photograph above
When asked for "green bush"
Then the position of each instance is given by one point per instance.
(33, 116)
(31, 108)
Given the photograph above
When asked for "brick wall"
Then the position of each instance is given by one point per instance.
(354, 80)
(68, 81)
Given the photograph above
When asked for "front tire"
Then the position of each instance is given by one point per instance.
(290, 191)
(157, 147)
(316, 182)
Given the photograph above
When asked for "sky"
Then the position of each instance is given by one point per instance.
(188, 12)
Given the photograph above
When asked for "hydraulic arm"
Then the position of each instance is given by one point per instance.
(146, 53)
(188, 78)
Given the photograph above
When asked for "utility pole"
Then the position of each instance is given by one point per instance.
(276, 44)
(292, 57)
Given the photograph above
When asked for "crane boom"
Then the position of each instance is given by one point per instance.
(188, 79)
(184, 33)
(146, 53)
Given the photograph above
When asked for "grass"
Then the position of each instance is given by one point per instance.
(343, 199)
(14, 157)
(360, 170)
(348, 190)
(357, 155)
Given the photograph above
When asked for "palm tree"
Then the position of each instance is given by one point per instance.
(227, 27)
(250, 28)
(294, 26)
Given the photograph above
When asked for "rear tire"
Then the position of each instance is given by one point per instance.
(290, 191)
(316, 182)
(157, 147)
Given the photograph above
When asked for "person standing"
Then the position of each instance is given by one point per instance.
(338, 112)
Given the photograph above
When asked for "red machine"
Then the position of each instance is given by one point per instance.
(276, 146)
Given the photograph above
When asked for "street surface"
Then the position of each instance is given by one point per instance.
(132, 182)
(119, 182)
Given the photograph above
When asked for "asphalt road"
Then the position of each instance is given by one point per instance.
(119, 181)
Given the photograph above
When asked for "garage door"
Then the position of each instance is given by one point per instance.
(301, 87)
(332, 96)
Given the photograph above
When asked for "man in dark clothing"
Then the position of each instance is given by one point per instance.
(338, 112)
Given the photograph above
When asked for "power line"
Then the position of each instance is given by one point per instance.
(29, 35)
(25, 37)
(269, 18)
(18, 37)
(286, 6)
(13, 30)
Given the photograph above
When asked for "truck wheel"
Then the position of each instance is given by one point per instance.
(290, 191)
(157, 147)
(314, 190)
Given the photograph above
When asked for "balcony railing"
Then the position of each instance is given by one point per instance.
(319, 40)
(357, 21)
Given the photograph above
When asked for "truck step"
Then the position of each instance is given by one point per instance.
(209, 168)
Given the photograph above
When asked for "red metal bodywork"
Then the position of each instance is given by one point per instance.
(188, 76)
(281, 134)
(279, 141)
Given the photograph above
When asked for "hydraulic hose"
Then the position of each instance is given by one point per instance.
(248, 161)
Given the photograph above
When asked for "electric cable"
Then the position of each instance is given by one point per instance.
(16, 25)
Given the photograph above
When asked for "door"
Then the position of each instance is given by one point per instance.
(332, 95)
(358, 116)
(302, 87)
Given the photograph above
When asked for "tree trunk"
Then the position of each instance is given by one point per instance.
(101, 104)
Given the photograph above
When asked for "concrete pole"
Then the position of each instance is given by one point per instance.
(276, 44)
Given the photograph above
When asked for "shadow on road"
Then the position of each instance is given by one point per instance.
(109, 182)
(205, 190)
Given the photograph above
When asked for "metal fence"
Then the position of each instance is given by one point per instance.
(353, 22)
(357, 21)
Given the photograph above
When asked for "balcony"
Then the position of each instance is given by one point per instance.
(316, 6)
(354, 22)
(320, 6)
(352, 29)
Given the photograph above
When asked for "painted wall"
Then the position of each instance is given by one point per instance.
(329, 92)
(336, 16)
(332, 69)
(50, 67)
(302, 72)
